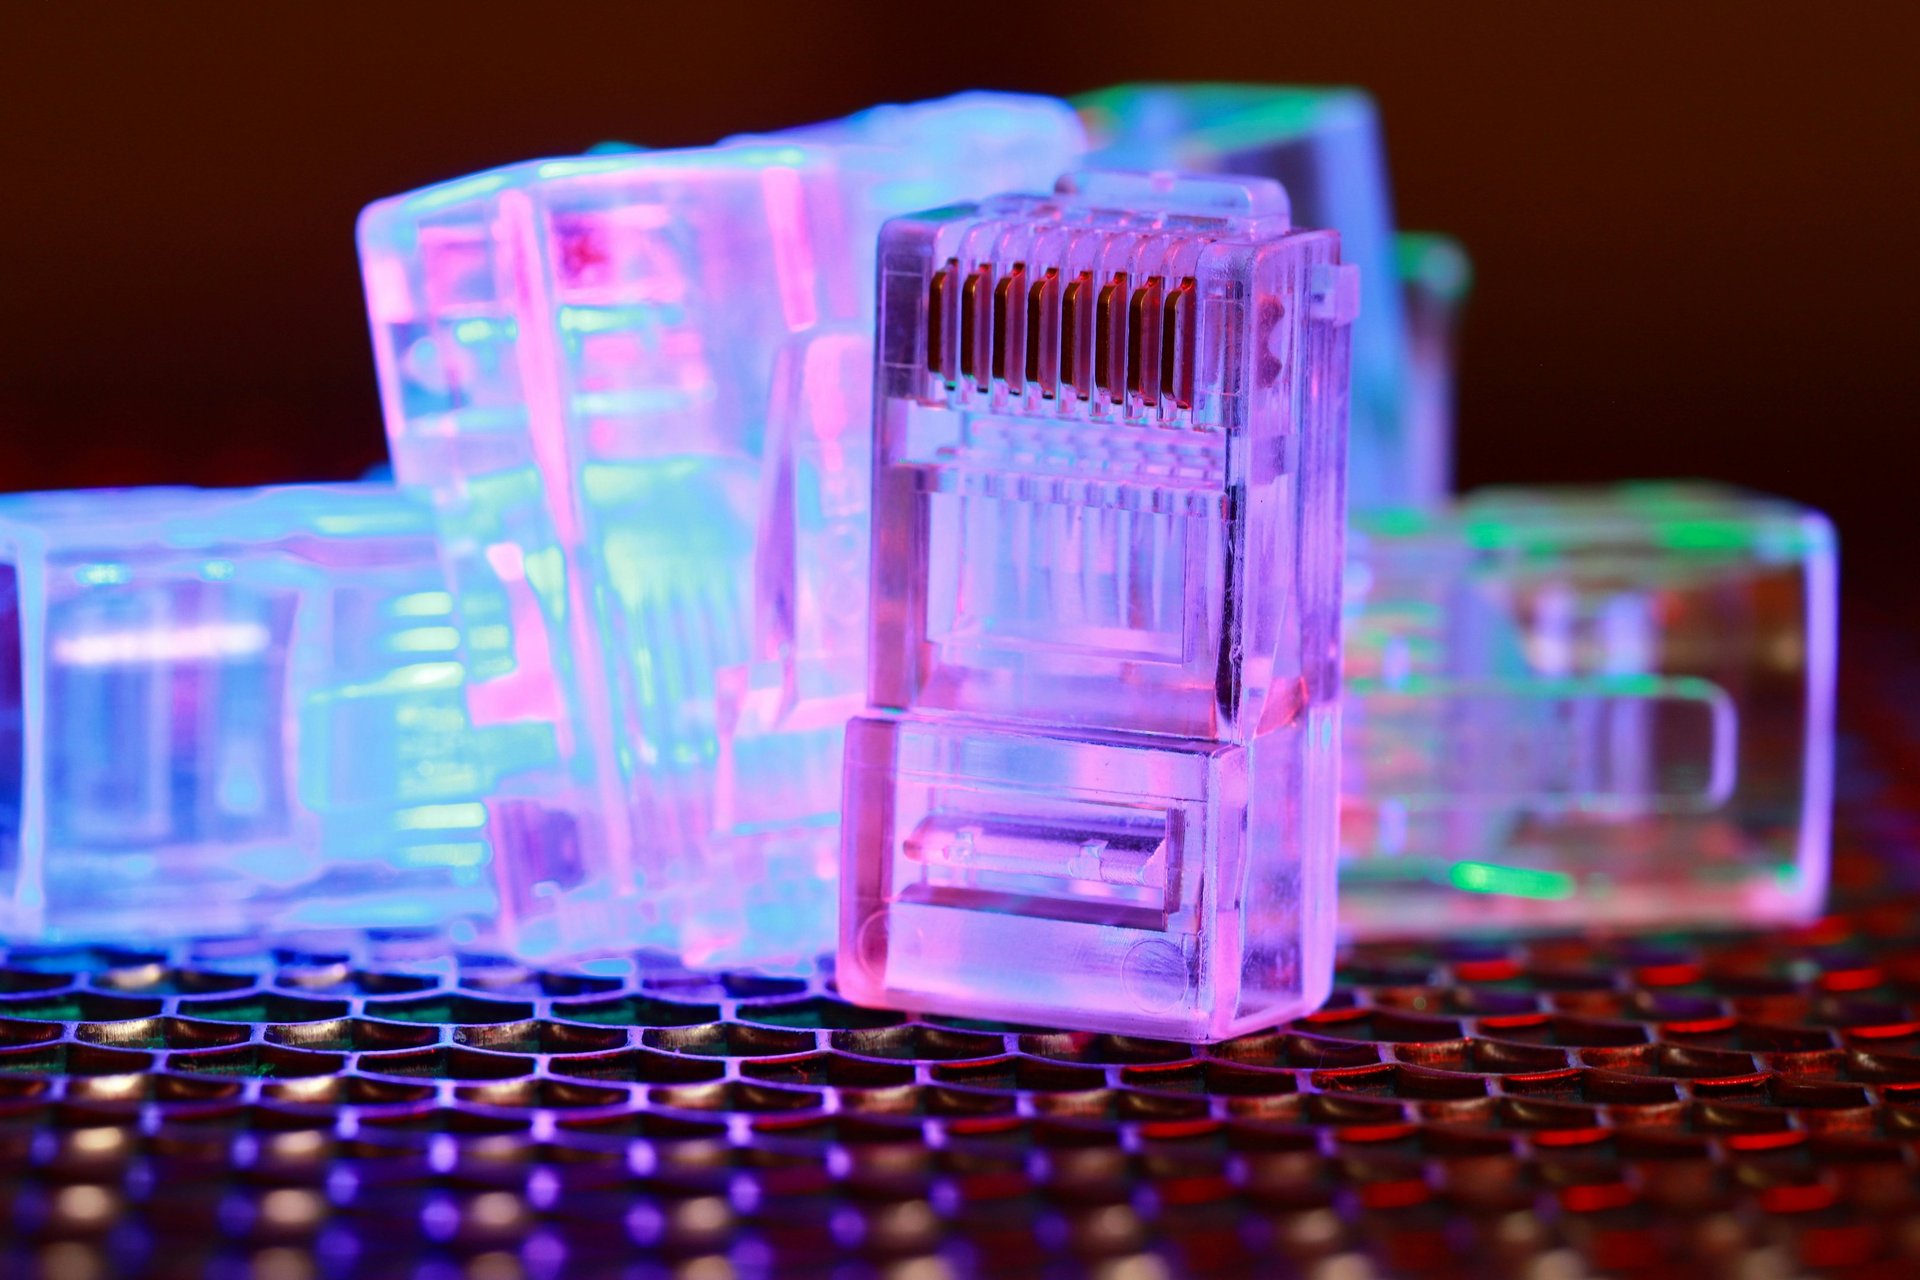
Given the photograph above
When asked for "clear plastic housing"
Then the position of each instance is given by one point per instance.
(223, 710)
(636, 388)
(1588, 708)
(1096, 786)
(1324, 146)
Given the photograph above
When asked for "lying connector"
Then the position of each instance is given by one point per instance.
(1588, 708)
(228, 710)
(1096, 783)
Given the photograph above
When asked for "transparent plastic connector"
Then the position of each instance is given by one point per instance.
(223, 710)
(1588, 708)
(1324, 146)
(1096, 787)
(637, 389)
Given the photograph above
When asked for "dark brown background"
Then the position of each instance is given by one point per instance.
(1694, 226)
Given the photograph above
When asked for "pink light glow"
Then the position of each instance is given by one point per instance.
(530, 692)
(792, 247)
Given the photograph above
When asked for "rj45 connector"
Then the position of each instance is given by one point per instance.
(1096, 785)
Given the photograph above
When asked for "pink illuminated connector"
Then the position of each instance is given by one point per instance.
(1096, 786)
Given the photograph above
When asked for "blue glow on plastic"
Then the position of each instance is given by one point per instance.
(227, 709)
(636, 388)
(1324, 146)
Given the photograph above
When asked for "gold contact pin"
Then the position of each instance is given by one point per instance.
(976, 325)
(939, 303)
(1143, 341)
(1177, 345)
(1043, 333)
(1076, 336)
(1010, 329)
(1110, 336)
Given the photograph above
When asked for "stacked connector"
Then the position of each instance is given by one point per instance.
(584, 364)
(1588, 708)
(1096, 785)
(636, 387)
(1325, 147)
(899, 158)
(226, 710)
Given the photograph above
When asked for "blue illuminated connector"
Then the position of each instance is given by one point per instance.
(901, 158)
(221, 710)
(1324, 145)
(1588, 708)
(1096, 786)
(636, 387)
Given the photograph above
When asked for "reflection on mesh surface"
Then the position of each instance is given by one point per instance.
(382, 1107)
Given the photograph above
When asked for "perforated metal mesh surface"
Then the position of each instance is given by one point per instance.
(1737, 1107)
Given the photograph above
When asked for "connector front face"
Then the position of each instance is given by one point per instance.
(232, 709)
(1324, 146)
(1588, 708)
(1045, 878)
(1106, 532)
(636, 388)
